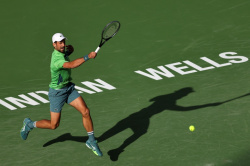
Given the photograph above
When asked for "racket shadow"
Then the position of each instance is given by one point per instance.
(139, 121)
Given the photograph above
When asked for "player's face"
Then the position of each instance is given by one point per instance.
(59, 46)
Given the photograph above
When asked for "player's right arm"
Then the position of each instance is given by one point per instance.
(78, 62)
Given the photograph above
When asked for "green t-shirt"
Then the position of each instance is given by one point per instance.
(60, 76)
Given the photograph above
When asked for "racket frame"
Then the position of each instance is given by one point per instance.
(103, 40)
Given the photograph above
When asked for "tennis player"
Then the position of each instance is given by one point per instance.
(62, 91)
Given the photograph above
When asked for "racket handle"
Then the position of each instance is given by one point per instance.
(98, 48)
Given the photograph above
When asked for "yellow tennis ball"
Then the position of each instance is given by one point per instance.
(191, 128)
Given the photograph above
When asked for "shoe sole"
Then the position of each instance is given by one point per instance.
(22, 131)
(92, 149)
(24, 124)
(88, 146)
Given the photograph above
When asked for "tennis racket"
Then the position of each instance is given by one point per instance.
(109, 31)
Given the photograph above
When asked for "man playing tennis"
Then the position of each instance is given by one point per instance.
(62, 91)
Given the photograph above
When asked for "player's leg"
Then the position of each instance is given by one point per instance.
(57, 99)
(28, 124)
(80, 105)
(76, 100)
(53, 123)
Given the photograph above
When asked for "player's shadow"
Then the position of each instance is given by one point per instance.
(139, 121)
(66, 137)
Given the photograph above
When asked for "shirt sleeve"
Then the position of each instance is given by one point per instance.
(59, 62)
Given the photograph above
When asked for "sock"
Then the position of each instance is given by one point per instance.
(91, 136)
(32, 124)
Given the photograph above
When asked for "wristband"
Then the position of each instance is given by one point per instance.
(86, 57)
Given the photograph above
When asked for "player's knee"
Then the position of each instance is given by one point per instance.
(54, 126)
(85, 112)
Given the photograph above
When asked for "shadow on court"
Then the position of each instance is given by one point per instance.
(242, 159)
(66, 137)
(139, 121)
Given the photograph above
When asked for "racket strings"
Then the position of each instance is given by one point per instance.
(111, 30)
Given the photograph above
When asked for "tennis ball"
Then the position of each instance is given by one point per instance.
(191, 128)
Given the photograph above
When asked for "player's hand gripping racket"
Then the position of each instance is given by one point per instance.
(109, 31)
